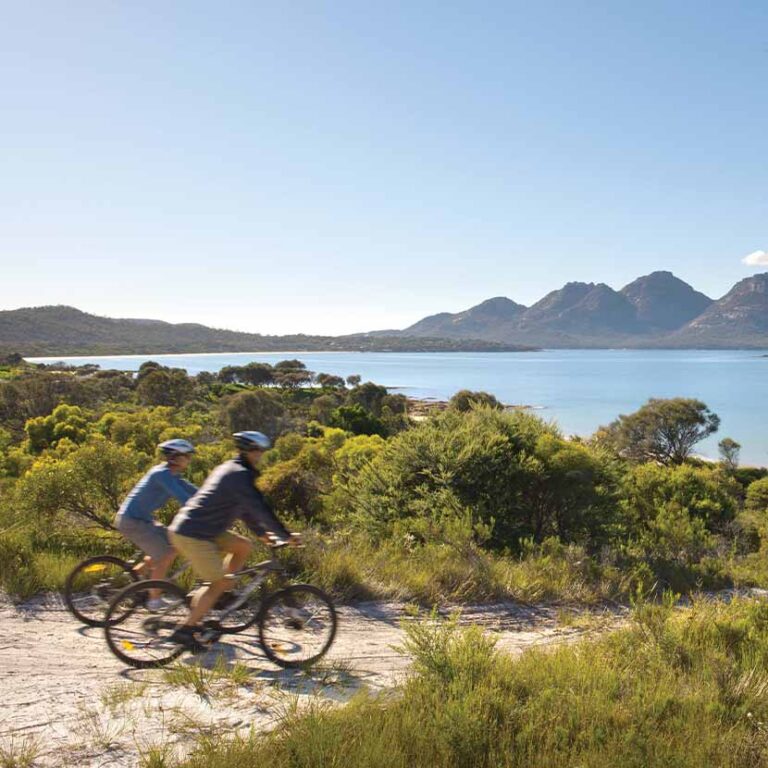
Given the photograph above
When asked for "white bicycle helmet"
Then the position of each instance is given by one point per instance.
(177, 445)
(252, 441)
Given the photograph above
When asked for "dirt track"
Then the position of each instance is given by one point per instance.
(66, 695)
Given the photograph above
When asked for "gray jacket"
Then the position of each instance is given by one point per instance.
(227, 495)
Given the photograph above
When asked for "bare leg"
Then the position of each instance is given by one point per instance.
(237, 554)
(158, 569)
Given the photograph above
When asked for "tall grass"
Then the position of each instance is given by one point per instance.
(677, 688)
(353, 568)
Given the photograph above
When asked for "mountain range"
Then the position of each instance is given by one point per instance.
(657, 310)
(62, 330)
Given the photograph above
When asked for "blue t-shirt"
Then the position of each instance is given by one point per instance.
(157, 487)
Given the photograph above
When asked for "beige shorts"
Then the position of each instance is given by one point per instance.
(206, 556)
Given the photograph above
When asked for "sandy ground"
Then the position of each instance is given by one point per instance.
(65, 697)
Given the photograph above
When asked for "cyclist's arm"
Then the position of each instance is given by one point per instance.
(256, 513)
(181, 490)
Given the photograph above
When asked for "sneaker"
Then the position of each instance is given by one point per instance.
(185, 635)
(157, 604)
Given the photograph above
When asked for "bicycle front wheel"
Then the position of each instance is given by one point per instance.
(140, 636)
(297, 625)
(93, 584)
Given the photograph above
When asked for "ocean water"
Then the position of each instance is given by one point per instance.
(578, 389)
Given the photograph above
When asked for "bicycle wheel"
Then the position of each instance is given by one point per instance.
(92, 585)
(139, 636)
(297, 625)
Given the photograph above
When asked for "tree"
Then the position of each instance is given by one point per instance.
(358, 421)
(369, 396)
(323, 407)
(256, 409)
(290, 365)
(258, 374)
(292, 379)
(65, 422)
(254, 374)
(329, 381)
(87, 484)
(729, 453)
(465, 399)
(664, 431)
(148, 367)
(354, 380)
(164, 386)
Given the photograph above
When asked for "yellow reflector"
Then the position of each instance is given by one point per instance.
(95, 568)
(128, 645)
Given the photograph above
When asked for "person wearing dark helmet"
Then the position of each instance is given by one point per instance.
(200, 531)
(135, 518)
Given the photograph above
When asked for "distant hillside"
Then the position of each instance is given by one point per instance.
(657, 310)
(739, 317)
(496, 311)
(663, 302)
(61, 330)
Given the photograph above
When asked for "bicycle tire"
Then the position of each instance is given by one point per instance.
(134, 596)
(103, 593)
(291, 597)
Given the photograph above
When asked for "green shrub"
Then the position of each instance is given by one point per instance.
(757, 496)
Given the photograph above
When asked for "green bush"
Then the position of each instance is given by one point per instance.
(515, 473)
(757, 496)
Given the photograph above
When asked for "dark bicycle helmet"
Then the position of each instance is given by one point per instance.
(252, 441)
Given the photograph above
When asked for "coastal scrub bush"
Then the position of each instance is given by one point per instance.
(253, 409)
(704, 493)
(757, 497)
(357, 420)
(85, 485)
(64, 422)
(465, 399)
(514, 472)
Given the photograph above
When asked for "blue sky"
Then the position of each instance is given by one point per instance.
(335, 167)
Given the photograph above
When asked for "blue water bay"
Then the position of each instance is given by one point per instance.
(579, 389)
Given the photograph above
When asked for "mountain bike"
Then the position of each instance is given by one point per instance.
(95, 581)
(296, 622)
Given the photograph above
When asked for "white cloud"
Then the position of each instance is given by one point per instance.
(756, 259)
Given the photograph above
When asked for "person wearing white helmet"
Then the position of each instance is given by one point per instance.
(135, 518)
(199, 532)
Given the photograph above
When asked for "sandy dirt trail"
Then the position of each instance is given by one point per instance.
(65, 696)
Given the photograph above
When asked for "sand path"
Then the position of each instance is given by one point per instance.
(66, 697)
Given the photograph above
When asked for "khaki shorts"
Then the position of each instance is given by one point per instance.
(151, 537)
(206, 556)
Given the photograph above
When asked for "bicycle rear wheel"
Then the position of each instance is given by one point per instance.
(297, 625)
(139, 636)
(92, 585)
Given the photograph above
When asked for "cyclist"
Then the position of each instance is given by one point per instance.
(135, 518)
(199, 532)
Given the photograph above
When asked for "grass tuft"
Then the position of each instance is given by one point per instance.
(19, 752)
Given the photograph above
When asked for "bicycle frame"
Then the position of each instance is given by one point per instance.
(260, 571)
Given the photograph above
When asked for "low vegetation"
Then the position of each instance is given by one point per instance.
(674, 688)
(470, 503)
